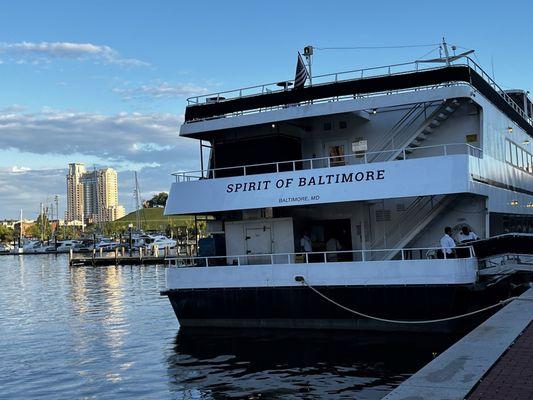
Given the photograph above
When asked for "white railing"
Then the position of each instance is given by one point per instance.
(373, 72)
(404, 254)
(329, 162)
(273, 87)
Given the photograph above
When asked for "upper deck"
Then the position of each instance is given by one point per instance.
(362, 83)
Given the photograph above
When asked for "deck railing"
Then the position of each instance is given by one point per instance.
(329, 162)
(373, 72)
(322, 257)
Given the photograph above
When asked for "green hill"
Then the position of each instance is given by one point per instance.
(153, 219)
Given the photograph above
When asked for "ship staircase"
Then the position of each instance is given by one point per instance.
(416, 217)
(410, 132)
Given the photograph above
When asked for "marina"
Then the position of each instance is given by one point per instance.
(266, 201)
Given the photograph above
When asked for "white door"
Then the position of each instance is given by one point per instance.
(258, 241)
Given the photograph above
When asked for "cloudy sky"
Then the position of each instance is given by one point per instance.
(105, 83)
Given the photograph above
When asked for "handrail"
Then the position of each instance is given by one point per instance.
(334, 77)
(322, 162)
(313, 257)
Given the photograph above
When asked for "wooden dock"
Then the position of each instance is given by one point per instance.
(120, 257)
(491, 362)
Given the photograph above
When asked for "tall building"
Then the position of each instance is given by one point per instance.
(92, 195)
(75, 193)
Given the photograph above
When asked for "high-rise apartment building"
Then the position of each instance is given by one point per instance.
(75, 193)
(94, 195)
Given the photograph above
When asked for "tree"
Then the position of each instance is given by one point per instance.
(41, 227)
(6, 234)
(159, 200)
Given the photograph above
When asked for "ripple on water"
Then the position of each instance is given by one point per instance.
(106, 333)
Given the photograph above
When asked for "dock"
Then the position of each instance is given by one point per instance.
(100, 259)
(491, 362)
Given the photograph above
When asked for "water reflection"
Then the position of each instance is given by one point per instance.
(294, 364)
(106, 333)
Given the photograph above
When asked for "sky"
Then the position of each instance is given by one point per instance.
(105, 82)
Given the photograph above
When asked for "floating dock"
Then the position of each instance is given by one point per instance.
(99, 259)
(491, 362)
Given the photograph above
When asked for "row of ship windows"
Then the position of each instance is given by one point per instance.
(518, 157)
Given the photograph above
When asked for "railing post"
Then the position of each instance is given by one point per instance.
(272, 259)
(244, 170)
(403, 255)
(325, 257)
(307, 258)
(404, 156)
(445, 150)
(363, 258)
(288, 258)
(277, 167)
(294, 165)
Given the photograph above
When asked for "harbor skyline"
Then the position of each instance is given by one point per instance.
(74, 93)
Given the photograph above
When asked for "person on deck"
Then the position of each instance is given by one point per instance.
(333, 245)
(305, 242)
(466, 235)
(447, 243)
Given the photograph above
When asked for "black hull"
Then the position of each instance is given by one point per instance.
(301, 308)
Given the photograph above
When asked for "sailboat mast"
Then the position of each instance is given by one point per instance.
(137, 204)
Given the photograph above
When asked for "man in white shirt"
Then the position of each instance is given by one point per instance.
(332, 246)
(466, 235)
(447, 243)
(305, 242)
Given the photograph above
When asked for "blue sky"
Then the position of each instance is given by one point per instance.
(105, 83)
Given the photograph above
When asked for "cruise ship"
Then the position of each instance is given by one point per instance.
(328, 199)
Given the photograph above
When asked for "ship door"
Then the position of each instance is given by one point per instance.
(258, 241)
(336, 151)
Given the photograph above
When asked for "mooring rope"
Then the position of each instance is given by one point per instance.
(393, 321)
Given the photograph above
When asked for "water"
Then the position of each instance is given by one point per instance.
(105, 333)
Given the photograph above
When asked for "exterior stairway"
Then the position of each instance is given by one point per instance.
(413, 220)
(412, 130)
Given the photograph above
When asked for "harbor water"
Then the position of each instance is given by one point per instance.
(106, 333)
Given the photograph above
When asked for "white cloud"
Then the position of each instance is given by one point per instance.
(161, 90)
(44, 52)
(16, 169)
(135, 138)
(148, 142)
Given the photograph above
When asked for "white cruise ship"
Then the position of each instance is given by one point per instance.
(334, 196)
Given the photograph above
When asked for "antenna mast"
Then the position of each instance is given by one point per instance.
(308, 54)
(446, 52)
(137, 204)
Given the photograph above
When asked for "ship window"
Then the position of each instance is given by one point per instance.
(327, 126)
(513, 154)
(383, 215)
(508, 151)
(343, 125)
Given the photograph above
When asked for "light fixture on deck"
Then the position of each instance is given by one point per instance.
(525, 142)
(273, 126)
(509, 129)
(514, 202)
(374, 111)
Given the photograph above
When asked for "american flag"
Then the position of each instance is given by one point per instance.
(301, 73)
